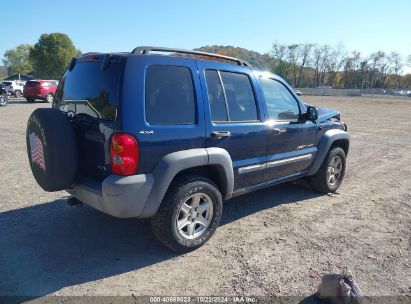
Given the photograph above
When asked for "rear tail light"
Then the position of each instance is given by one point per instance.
(124, 154)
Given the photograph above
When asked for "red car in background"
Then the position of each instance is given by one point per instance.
(40, 89)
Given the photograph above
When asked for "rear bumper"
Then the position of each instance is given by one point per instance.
(119, 196)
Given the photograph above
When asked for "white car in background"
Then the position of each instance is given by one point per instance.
(298, 92)
(15, 87)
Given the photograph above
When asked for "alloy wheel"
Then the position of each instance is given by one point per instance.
(49, 98)
(3, 100)
(334, 171)
(194, 216)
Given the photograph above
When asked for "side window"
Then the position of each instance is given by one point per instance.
(169, 95)
(231, 99)
(216, 97)
(240, 97)
(281, 105)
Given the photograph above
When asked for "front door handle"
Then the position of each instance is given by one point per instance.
(279, 130)
(220, 134)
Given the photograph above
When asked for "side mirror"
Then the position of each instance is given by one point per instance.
(312, 113)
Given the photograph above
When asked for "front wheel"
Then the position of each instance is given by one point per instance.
(189, 214)
(331, 173)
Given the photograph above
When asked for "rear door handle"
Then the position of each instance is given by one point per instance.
(279, 130)
(220, 134)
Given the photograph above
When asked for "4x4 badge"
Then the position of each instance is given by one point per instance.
(146, 132)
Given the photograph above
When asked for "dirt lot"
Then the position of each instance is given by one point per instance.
(275, 241)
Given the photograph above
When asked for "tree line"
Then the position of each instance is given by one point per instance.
(301, 64)
(47, 59)
(311, 65)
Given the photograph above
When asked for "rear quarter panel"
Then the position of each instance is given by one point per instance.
(53, 90)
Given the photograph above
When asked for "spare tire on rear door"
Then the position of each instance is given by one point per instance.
(52, 149)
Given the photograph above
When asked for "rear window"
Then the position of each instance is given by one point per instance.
(169, 95)
(31, 84)
(90, 91)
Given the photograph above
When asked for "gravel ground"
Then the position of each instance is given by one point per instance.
(277, 241)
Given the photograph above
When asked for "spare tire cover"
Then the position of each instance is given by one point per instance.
(52, 149)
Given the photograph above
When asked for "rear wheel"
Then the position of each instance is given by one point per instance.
(189, 215)
(3, 100)
(17, 93)
(331, 173)
(49, 98)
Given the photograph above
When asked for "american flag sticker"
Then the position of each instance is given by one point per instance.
(37, 153)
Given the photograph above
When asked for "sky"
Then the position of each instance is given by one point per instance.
(366, 26)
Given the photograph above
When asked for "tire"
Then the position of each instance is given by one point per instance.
(3, 99)
(52, 149)
(18, 93)
(322, 181)
(176, 207)
(49, 98)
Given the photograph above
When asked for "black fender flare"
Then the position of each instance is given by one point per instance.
(324, 146)
(171, 164)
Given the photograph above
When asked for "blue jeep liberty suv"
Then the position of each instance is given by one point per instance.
(168, 134)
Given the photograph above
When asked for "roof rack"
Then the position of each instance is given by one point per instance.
(144, 50)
